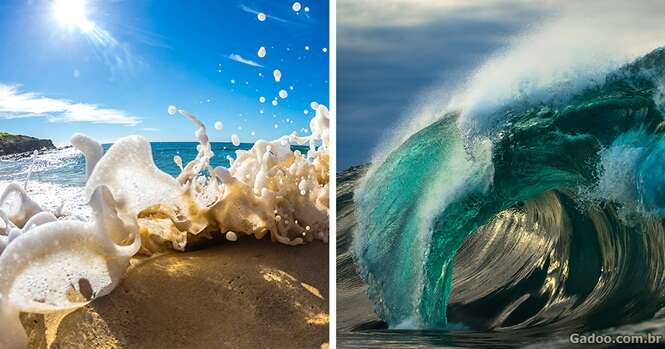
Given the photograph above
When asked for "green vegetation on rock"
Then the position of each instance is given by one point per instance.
(11, 138)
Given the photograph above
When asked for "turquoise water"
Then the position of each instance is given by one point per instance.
(549, 222)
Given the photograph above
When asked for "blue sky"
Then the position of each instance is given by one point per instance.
(111, 68)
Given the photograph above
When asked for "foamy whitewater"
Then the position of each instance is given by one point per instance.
(59, 255)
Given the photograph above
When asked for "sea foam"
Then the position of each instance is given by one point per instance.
(49, 262)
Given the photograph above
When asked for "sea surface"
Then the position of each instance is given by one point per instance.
(58, 176)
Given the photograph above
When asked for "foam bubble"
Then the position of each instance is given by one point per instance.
(296, 6)
(262, 52)
(172, 110)
(277, 75)
(283, 94)
(231, 236)
(219, 125)
(261, 16)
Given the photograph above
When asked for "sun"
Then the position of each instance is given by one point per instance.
(73, 14)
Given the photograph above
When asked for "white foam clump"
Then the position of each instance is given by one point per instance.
(272, 176)
(260, 193)
(130, 173)
(235, 140)
(16, 207)
(219, 125)
(277, 74)
(178, 161)
(48, 264)
(283, 94)
(262, 52)
(92, 150)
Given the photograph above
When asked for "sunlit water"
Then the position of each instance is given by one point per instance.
(58, 176)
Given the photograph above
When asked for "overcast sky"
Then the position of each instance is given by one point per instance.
(392, 53)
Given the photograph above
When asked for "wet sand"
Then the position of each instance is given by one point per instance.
(248, 294)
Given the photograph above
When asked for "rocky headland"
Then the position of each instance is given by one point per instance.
(15, 144)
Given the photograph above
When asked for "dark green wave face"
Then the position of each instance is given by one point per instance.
(554, 218)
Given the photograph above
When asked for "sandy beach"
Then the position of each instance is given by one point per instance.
(248, 294)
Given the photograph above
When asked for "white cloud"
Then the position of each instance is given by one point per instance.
(15, 104)
(240, 59)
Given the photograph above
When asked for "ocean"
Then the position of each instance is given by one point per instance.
(58, 176)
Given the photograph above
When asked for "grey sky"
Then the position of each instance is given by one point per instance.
(393, 52)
